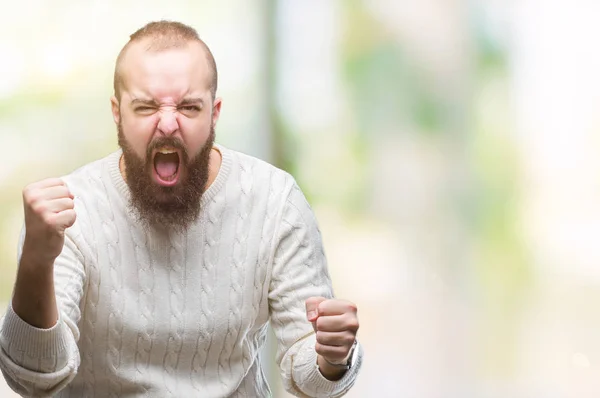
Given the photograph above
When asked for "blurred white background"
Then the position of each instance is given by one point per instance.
(450, 149)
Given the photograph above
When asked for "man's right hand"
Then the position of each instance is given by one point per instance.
(49, 211)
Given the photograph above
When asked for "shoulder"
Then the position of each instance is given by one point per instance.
(258, 172)
(89, 185)
(88, 177)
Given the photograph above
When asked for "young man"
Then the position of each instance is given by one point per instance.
(154, 271)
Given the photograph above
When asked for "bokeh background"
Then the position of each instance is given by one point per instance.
(450, 149)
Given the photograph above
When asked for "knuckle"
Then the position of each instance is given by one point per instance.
(30, 197)
(48, 219)
(320, 307)
(320, 349)
(319, 336)
(349, 339)
(320, 323)
(352, 323)
(28, 188)
(352, 307)
(39, 207)
(71, 220)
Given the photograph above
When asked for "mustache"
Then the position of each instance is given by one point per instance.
(166, 142)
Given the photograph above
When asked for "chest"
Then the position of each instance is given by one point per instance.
(181, 294)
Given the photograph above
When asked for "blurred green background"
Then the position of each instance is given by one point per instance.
(449, 148)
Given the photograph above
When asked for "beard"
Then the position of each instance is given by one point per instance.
(170, 208)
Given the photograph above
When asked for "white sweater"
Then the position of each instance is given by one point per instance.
(183, 315)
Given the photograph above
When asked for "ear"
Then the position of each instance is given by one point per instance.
(216, 110)
(115, 109)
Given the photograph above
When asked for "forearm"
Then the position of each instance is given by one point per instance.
(38, 334)
(328, 371)
(34, 299)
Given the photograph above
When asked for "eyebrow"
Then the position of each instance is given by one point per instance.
(185, 101)
(190, 101)
(143, 101)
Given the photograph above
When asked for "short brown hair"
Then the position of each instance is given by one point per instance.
(165, 35)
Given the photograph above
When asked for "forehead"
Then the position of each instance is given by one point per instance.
(167, 73)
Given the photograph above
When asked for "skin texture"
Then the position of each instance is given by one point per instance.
(166, 102)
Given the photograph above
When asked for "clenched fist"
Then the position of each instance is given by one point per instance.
(335, 323)
(49, 210)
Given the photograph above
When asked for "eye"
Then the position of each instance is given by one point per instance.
(146, 110)
(190, 111)
(190, 108)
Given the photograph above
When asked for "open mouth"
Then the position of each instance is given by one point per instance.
(166, 166)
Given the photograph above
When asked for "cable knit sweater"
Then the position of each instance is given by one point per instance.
(143, 313)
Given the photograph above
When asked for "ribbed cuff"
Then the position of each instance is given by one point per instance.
(313, 382)
(18, 335)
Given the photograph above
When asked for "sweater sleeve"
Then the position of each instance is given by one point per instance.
(40, 362)
(299, 272)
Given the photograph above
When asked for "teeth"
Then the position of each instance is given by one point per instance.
(166, 151)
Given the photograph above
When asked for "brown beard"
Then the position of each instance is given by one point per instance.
(171, 208)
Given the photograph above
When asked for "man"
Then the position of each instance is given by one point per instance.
(154, 271)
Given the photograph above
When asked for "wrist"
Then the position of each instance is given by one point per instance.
(329, 371)
(343, 364)
(30, 257)
(335, 370)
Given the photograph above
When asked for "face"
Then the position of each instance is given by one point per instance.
(165, 120)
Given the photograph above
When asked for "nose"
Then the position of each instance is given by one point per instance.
(167, 124)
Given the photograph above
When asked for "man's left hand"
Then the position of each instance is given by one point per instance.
(335, 323)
